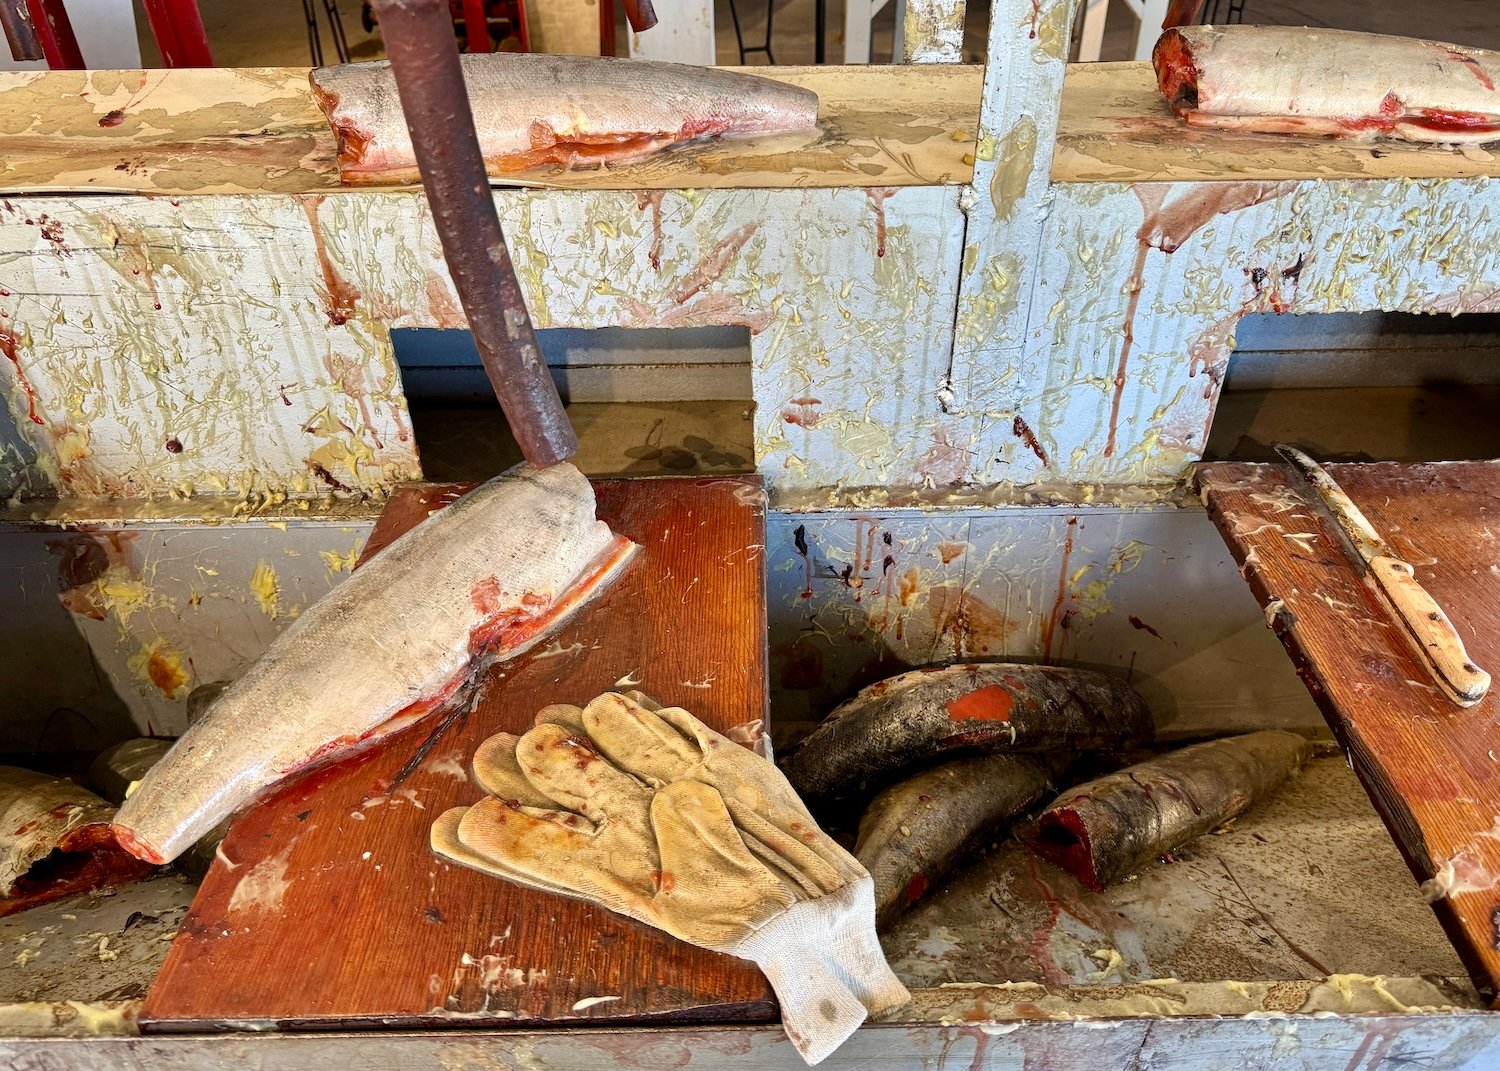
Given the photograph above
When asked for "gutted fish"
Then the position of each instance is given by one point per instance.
(907, 721)
(1293, 80)
(915, 831)
(1113, 827)
(55, 841)
(491, 574)
(535, 110)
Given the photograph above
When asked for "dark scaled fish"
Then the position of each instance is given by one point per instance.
(910, 720)
(1108, 829)
(916, 830)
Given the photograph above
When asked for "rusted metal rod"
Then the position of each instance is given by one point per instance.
(424, 58)
(15, 20)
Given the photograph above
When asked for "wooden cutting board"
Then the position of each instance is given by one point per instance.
(1431, 769)
(326, 907)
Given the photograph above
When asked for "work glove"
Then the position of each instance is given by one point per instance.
(650, 813)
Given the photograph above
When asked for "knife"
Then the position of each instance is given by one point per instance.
(1426, 628)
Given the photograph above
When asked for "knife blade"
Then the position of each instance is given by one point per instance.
(1421, 621)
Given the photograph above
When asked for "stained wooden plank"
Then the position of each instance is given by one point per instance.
(258, 130)
(327, 907)
(1431, 768)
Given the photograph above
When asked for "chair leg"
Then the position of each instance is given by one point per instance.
(314, 39)
(336, 30)
(52, 32)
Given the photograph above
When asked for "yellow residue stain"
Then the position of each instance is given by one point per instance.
(266, 590)
(1129, 556)
(120, 591)
(1052, 37)
(1013, 172)
(340, 563)
(163, 667)
(907, 588)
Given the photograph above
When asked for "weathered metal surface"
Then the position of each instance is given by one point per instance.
(932, 31)
(268, 369)
(1425, 1042)
(258, 130)
(1140, 288)
(108, 631)
(1147, 592)
(1028, 47)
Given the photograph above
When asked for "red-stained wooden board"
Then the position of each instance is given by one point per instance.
(328, 909)
(1431, 768)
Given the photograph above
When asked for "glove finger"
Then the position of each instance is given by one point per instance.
(706, 866)
(565, 768)
(564, 714)
(638, 740)
(642, 699)
(615, 871)
(757, 788)
(794, 854)
(495, 770)
(446, 843)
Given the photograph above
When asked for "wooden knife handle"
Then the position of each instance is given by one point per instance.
(1428, 631)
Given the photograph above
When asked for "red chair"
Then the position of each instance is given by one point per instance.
(40, 29)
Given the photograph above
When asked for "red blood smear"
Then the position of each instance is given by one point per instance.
(916, 888)
(8, 347)
(1474, 68)
(1023, 432)
(990, 703)
(1138, 623)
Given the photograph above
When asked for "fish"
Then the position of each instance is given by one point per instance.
(55, 841)
(1110, 828)
(533, 110)
(915, 831)
(1295, 80)
(909, 720)
(481, 580)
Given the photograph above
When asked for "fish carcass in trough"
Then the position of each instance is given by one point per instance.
(916, 830)
(927, 714)
(55, 841)
(534, 110)
(491, 574)
(1294, 80)
(1108, 829)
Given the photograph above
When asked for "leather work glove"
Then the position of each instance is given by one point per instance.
(650, 813)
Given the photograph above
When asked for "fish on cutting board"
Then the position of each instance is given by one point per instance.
(915, 831)
(1113, 827)
(55, 841)
(490, 575)
(1299, 80)
(535, 110)
(911, 719)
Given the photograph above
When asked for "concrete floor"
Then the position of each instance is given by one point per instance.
(274, 32)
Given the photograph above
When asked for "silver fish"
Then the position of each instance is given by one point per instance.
(1294, 80)
(534, 110)
(493, 573)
